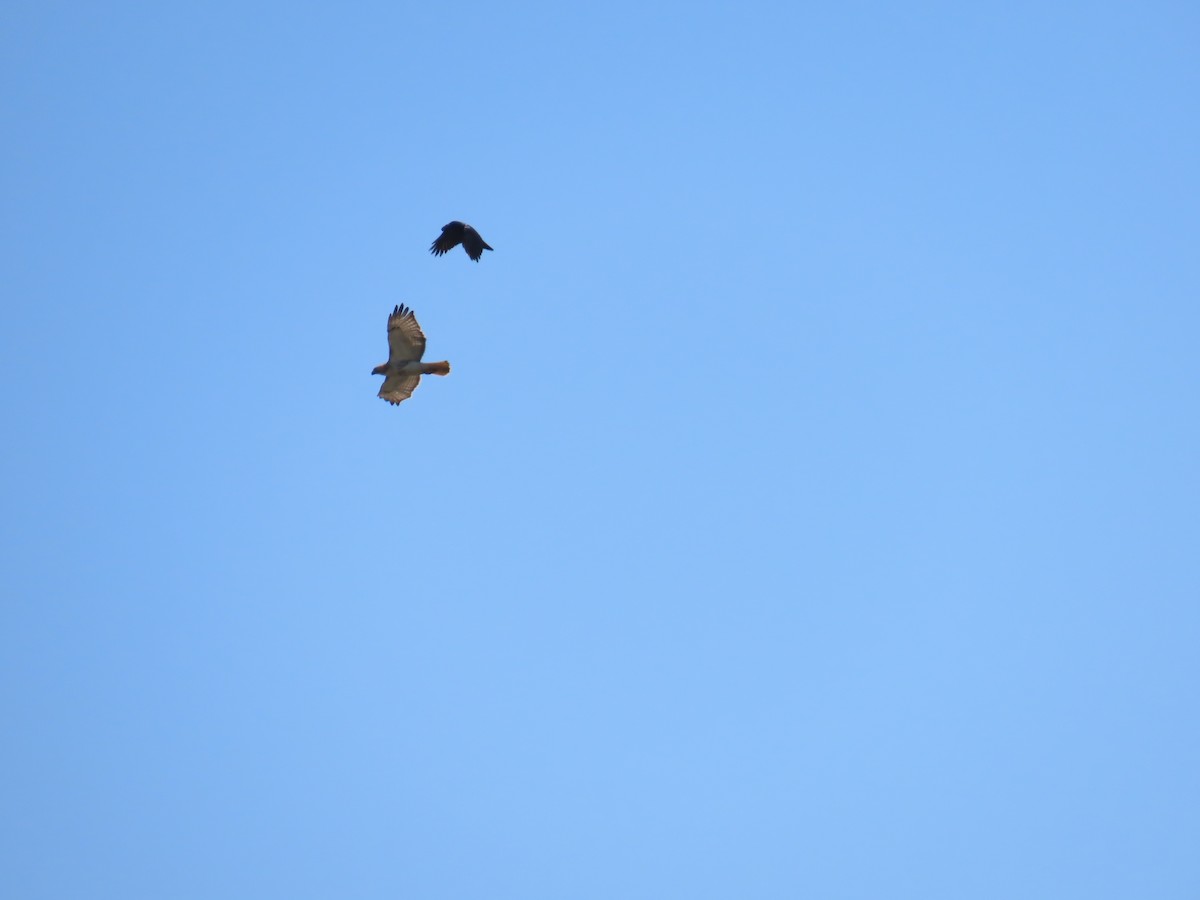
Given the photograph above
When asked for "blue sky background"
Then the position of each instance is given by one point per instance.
(811, 510)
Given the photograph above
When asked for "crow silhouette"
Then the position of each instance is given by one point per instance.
(459, 233)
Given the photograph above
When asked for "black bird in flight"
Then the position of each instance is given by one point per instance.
(459, 233)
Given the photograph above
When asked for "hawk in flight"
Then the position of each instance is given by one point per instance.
(459, 233)
(403, 370)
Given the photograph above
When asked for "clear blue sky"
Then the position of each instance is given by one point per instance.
(812, 510)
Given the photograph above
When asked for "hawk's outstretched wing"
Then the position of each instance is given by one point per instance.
(406, 341)
(398, 388)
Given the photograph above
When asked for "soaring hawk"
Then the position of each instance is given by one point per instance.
(459, 233)
(403, 370)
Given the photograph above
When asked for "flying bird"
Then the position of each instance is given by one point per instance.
(459, 233)
(403, 370)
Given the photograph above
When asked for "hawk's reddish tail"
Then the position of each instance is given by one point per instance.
(437, 368)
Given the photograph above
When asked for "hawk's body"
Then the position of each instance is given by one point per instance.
(403, 370)
(456, 233)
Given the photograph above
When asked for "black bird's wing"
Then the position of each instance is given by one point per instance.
(473, 243)
(451, 237)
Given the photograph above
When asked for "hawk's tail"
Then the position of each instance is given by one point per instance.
(437, 368)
